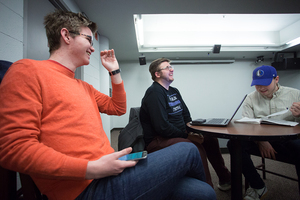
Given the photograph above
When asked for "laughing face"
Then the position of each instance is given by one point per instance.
(83, 47)
(166, 72)
(268, 91)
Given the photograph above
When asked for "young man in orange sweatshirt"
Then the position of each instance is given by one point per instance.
(51, 129)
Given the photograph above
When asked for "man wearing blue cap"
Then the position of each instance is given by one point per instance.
(269, 97)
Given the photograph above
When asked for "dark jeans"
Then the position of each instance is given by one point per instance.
(212, 149)
(208, 149)
(289, 149)
(175, 172)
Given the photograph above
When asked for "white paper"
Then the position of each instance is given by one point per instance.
(249, 120)
(267, 121)
(278, 113)
(279, 122)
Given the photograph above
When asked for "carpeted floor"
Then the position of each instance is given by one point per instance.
(279, 188)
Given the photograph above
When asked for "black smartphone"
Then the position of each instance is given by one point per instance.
(197, 121)
(135, 156)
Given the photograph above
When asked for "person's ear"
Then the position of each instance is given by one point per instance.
(65, 35)
(157, 74)
(277, 79)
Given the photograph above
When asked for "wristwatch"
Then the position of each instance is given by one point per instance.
(114, 72)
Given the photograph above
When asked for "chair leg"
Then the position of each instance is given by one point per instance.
(263, 167)
(29, 189)
(246, 185)
(8, 184)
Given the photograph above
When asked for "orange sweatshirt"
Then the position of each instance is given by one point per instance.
(50, 126)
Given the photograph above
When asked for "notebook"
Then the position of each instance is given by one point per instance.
(216, 121)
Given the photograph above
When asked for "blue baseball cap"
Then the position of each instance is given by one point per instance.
(263, 75)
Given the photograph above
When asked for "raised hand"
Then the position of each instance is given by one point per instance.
(109, 60)
(295, 109)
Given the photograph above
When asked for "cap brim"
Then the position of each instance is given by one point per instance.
(264, 82)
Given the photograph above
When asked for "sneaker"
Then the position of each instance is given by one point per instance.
(256, 194)
(224, 186)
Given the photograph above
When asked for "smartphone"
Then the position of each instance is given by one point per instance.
(197, 122)
(135, 156)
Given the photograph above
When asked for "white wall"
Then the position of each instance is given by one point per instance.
(35, 39)
(11, 30)
(104, 85)
(209, 90)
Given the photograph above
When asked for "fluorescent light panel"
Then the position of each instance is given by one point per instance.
(181, 32)
(294, 42)
(202, 61)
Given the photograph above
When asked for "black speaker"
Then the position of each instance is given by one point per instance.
(287, 64)
(142, 60)
(217, 48)
(280, 57)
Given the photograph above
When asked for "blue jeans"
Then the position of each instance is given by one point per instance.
(175, 172)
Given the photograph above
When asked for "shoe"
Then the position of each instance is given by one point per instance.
(256, 194)
(224, 186)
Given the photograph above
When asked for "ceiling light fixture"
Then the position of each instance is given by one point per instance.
(208, 49)
(200, 32)
(294, 42)
(139, 29)
(202, 61)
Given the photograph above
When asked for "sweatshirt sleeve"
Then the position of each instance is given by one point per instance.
(114, 105)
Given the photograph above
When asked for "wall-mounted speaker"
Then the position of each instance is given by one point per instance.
(217, 48)
(142, 60)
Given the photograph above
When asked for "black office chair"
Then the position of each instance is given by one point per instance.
(279, 158)
(262, 167)
(132, 134)
(4, 65)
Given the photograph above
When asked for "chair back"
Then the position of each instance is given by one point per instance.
(8, 184)
(8, 178)
(4, 65)
(132, 135)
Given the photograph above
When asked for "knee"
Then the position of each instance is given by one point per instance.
(187, 146)
(189, 149)
(209, 193)
(184, 148)
(294, 145)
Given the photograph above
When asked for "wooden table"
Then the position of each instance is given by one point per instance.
(242, 131)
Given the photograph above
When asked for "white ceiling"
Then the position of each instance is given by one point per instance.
(115, 21)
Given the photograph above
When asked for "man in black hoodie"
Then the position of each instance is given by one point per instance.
(164, 116)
